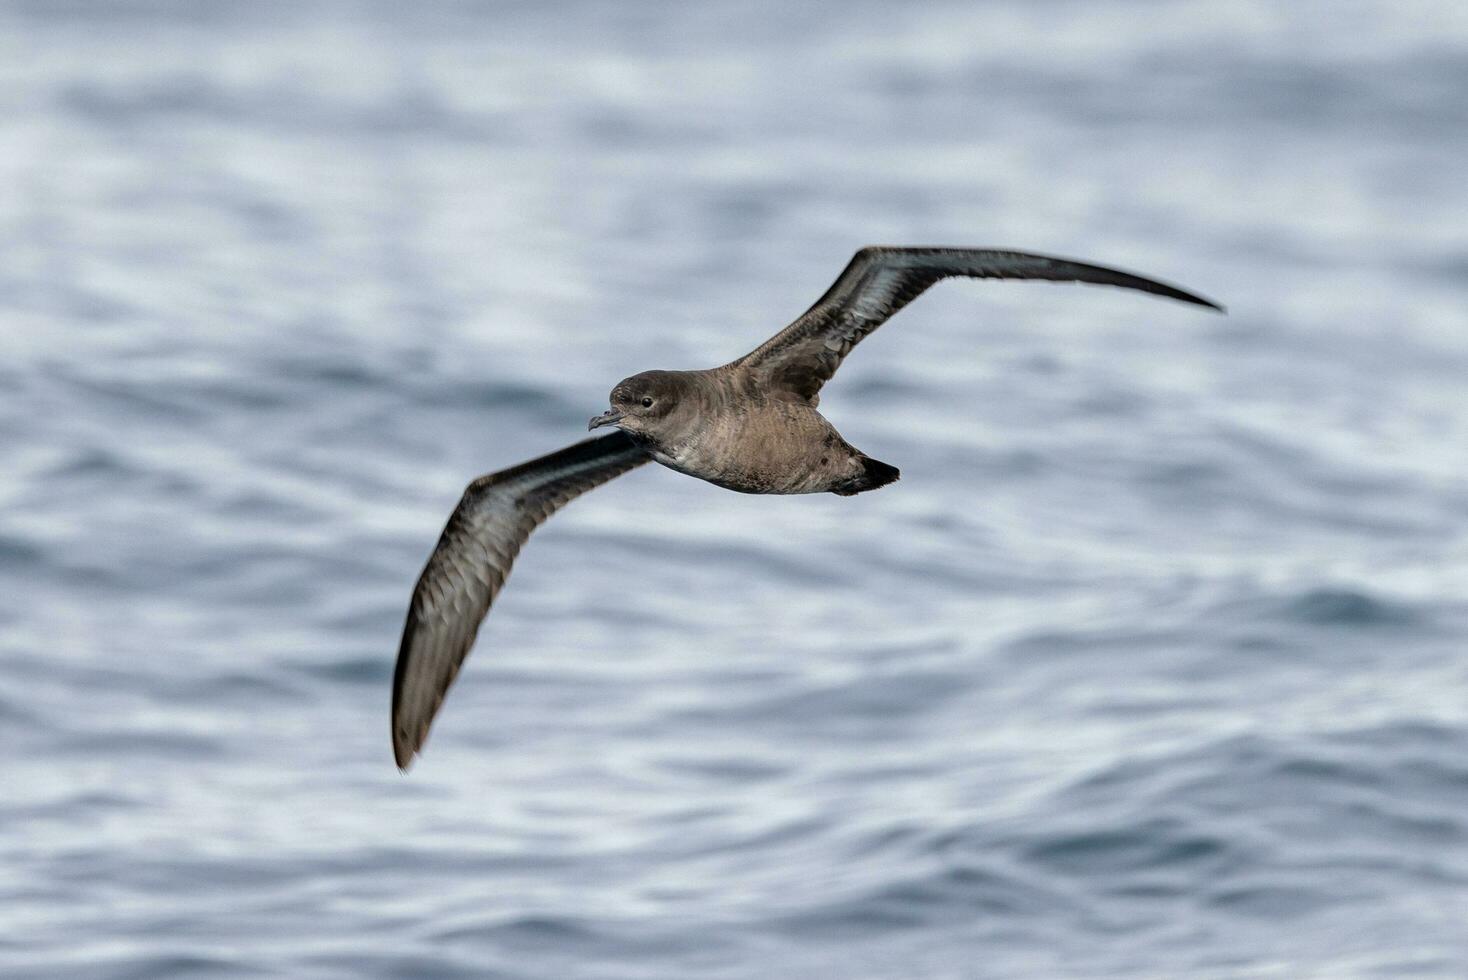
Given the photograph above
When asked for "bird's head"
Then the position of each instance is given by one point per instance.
(647, 404)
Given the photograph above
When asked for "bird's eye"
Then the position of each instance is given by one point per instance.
(647, 403)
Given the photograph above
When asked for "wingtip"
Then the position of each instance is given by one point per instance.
(403, 749)
(1193, 298)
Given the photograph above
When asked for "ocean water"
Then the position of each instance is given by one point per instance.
(1152, 665)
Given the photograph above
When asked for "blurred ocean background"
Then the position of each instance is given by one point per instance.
(1153, 665)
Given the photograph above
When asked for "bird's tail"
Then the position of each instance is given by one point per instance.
(874, 474)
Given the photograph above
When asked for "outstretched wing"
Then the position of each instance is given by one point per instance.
(880, 280)
(470, 565)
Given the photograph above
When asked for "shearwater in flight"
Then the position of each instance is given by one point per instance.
(751, 426)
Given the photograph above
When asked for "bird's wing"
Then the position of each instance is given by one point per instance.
(470, 564)
(880, 280)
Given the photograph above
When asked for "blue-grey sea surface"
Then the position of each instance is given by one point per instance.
(1152, 665)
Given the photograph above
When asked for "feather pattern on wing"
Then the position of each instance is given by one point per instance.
(880, 280)
(470, 564)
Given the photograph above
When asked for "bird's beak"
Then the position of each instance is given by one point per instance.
(610, 417)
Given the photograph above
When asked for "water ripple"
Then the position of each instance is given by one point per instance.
(1150, 665)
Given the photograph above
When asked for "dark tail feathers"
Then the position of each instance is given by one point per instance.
(874, 474)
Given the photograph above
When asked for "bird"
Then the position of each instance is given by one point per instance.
(751, 426)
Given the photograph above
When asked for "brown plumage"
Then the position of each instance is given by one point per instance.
(751, 425)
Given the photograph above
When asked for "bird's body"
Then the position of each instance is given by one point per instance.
(752, 425)
(748, 438)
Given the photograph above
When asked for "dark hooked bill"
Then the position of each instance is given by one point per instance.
(610, 417)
